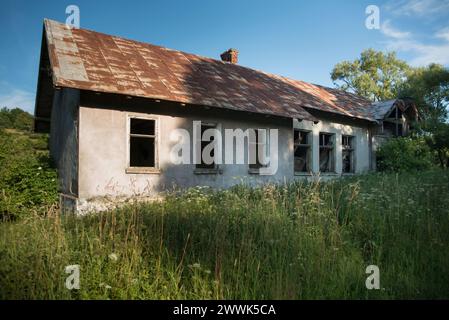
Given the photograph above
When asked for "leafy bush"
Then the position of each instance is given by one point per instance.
(28, 183)
(405, 154)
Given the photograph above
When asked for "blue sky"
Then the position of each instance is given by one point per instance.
(298, 39)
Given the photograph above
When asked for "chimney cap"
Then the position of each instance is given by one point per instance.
(230, 55)
(232, 50)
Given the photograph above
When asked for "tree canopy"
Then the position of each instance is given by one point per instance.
(429, 88)
(375, 75)
(15, 118)
(382, 76)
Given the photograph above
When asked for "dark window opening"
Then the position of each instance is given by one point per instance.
(202, 164)
(261, 141)
(142, 126)
(399, 131)
(347, 154)
(142, 152)
(326, 152)
(301, 151)
(393, 128)
(142, 143)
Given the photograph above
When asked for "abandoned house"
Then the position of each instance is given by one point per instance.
(110, 105)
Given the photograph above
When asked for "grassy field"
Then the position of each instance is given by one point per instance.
(296, 241)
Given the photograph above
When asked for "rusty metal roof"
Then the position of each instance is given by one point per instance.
(89, 60)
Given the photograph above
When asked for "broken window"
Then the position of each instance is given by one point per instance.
(396, 113)
(347, 154)
(394, 122)
(302, 150)
(202, 164)
(327, 152)
(259, 148)
(142, 143)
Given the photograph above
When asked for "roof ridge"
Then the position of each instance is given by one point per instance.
(212, 59)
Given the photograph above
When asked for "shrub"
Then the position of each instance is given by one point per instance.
(405, 154)
(28, 183)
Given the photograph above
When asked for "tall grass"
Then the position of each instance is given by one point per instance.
(292, 241)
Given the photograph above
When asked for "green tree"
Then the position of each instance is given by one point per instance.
(438, 140)
(375, 75)
(5, 119)
(429, 88)
(16, 119)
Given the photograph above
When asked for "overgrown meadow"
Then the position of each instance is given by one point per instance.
(289, 241)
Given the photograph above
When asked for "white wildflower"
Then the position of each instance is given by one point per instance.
(113, 257)
(106, 286)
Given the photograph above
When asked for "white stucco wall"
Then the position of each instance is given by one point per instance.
(103, 140)
(103, 156)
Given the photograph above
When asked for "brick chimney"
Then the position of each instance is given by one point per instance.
(230, 55)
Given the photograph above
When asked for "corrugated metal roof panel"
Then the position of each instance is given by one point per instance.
(94, 61)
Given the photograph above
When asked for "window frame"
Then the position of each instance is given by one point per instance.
(216, 168)
(332, 148)
(129, 168)
(256, 170)
(351, 149)
(309, 146)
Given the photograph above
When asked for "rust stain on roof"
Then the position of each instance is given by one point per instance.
(94, 61)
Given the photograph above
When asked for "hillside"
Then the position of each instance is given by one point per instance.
(28, 183)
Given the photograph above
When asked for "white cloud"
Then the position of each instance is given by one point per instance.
(418, 7)
(391, 32)
(443, 34)
(423, 53)
(18, 98)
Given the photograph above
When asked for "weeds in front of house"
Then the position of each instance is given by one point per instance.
(288, 241)
(28, 183)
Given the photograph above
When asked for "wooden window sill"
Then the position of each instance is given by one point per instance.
(299, 173)
(253, 171)
(207, 171)
(144, 170)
